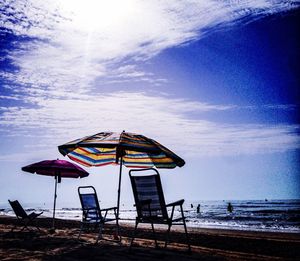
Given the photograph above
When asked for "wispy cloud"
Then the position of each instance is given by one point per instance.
(57, 121)
(287, 107)
(130, 73)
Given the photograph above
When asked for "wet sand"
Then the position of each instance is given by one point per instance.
(206, 244)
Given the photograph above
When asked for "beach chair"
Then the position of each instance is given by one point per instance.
(92, 213)
(23, 218)
(150, 203)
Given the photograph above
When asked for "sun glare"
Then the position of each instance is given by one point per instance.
(90, 15)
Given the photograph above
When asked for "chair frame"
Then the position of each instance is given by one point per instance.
(165, 218)
(100, 219)
(22, 216)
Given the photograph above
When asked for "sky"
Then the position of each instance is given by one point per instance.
(217, 82)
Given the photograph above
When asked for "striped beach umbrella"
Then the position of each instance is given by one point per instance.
(128, 149)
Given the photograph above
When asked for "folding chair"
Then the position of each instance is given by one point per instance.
(22, 216)
(150, 204)
(92, 213)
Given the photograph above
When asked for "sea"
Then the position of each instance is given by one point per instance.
(251, 215)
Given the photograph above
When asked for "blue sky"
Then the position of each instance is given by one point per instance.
(216, 82)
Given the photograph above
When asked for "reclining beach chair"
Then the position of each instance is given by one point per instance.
(150, 204)
(23, 217)
(91, 212)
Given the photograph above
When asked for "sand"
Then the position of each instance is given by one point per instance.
(207, 244)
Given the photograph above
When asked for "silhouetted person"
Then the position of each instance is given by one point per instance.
(198, 208)
(192, 206)
(229, 207)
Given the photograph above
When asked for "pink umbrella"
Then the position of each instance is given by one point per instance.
(58, 169)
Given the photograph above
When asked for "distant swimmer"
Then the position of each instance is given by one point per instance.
(229, 207)
(198, 208)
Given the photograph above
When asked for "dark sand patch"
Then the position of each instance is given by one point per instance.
(207, 244)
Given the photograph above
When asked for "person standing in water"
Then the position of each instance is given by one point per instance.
(198, 208)
(229, 208)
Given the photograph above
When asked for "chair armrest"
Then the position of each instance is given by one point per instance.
(86, 211)
(107, 209)
(176, 203)
(34, 215)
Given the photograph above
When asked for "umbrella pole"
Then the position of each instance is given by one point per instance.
(53, 219)
(119, 192)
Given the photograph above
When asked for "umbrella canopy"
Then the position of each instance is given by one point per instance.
(108, 147)
(129, 149)
(58, 169)
(63, 168)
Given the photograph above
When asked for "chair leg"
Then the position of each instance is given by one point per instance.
(133, 236)
(100, 233)
(21, 222)
(168, 235)
(33, 222)
(38, 228)
(156, 245)
(30, 222)
(80, 232)
(185, 229)
(26, 226)
(13, 228)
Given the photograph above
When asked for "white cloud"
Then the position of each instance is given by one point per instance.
(82, 39)
(56, 121)
(7, 97)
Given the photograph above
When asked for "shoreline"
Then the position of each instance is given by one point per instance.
(191, 227)
(208, 244)
(43, 221)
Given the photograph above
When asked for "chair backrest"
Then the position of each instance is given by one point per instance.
(18, 209)
(147, 187)
(89, 203)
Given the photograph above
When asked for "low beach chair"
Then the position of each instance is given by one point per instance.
(150, 203)
(92, 213)
(23, 218)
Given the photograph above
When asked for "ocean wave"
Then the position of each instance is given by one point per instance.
(72, 209)
(283, 216)
(278, 211)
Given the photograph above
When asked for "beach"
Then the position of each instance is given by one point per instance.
(206, 244)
